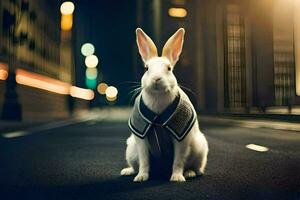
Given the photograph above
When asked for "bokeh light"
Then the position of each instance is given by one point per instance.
(66, 22)
(67, 8)
(3, 74)
(102, 88)
(91, 83)
(111, 99)
(3, 71)
(35, 80)
(82, 93)
(87, 49)
(91, 73)
(111, 92)
(177, 12)
(91, 61)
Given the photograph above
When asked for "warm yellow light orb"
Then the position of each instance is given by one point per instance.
(177, 12)
(111, 92)
(3, 74)
(87, 49)
(102, 88)
(91, 61)
(67, 8)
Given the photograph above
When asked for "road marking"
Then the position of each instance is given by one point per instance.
(15, 134)
(256, 147)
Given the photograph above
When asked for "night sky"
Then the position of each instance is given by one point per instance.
(110, 26)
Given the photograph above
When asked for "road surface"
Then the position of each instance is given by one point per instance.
(83, 161)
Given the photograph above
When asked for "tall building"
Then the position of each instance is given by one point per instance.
(31, 40)
(238, 56)
(30, 32)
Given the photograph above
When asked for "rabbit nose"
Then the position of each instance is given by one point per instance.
(157, 79)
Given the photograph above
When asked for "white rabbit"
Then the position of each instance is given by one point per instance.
(159, 90)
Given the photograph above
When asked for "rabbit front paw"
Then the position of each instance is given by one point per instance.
(141, 177)
(127, 171)
(177, 178)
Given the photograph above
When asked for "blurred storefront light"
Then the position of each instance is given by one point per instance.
(3, 71)
(91, 61)
(81, 93)
(67, 8)
(102, 88)
(87, 49)
(66, 22)
(111, 92)
(41, 82)
(91, 73)
(177, 12)
(35, 80)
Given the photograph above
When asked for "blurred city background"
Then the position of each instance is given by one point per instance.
(238, 56)
(68, 69)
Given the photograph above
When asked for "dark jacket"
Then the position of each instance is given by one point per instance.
(175, 122)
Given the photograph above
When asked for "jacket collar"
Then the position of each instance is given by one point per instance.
(158, 119)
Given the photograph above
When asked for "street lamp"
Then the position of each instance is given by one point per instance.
(67, 8)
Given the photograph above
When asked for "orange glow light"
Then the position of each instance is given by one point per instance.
(3, 74)
(177, 12)
(81, 93)
(66, 22)
(102, 88)
(3, 71)
(42, 82)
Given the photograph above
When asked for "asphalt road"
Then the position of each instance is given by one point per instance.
(83, 161)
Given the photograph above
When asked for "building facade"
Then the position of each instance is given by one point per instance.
(238, 56)
(30, 33)
(31, 40)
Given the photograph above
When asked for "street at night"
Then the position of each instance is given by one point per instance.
(109, 100)
(83, 160)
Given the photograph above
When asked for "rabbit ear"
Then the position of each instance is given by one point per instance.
(146, 46)
(173, 46)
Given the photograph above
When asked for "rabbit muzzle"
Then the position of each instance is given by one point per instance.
(158, 85)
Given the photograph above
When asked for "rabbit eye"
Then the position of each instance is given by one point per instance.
(169, 68)
(145, 69)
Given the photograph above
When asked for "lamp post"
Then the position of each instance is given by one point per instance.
(12, 109)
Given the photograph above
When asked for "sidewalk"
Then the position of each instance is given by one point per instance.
(290, 123)
(112, 114)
